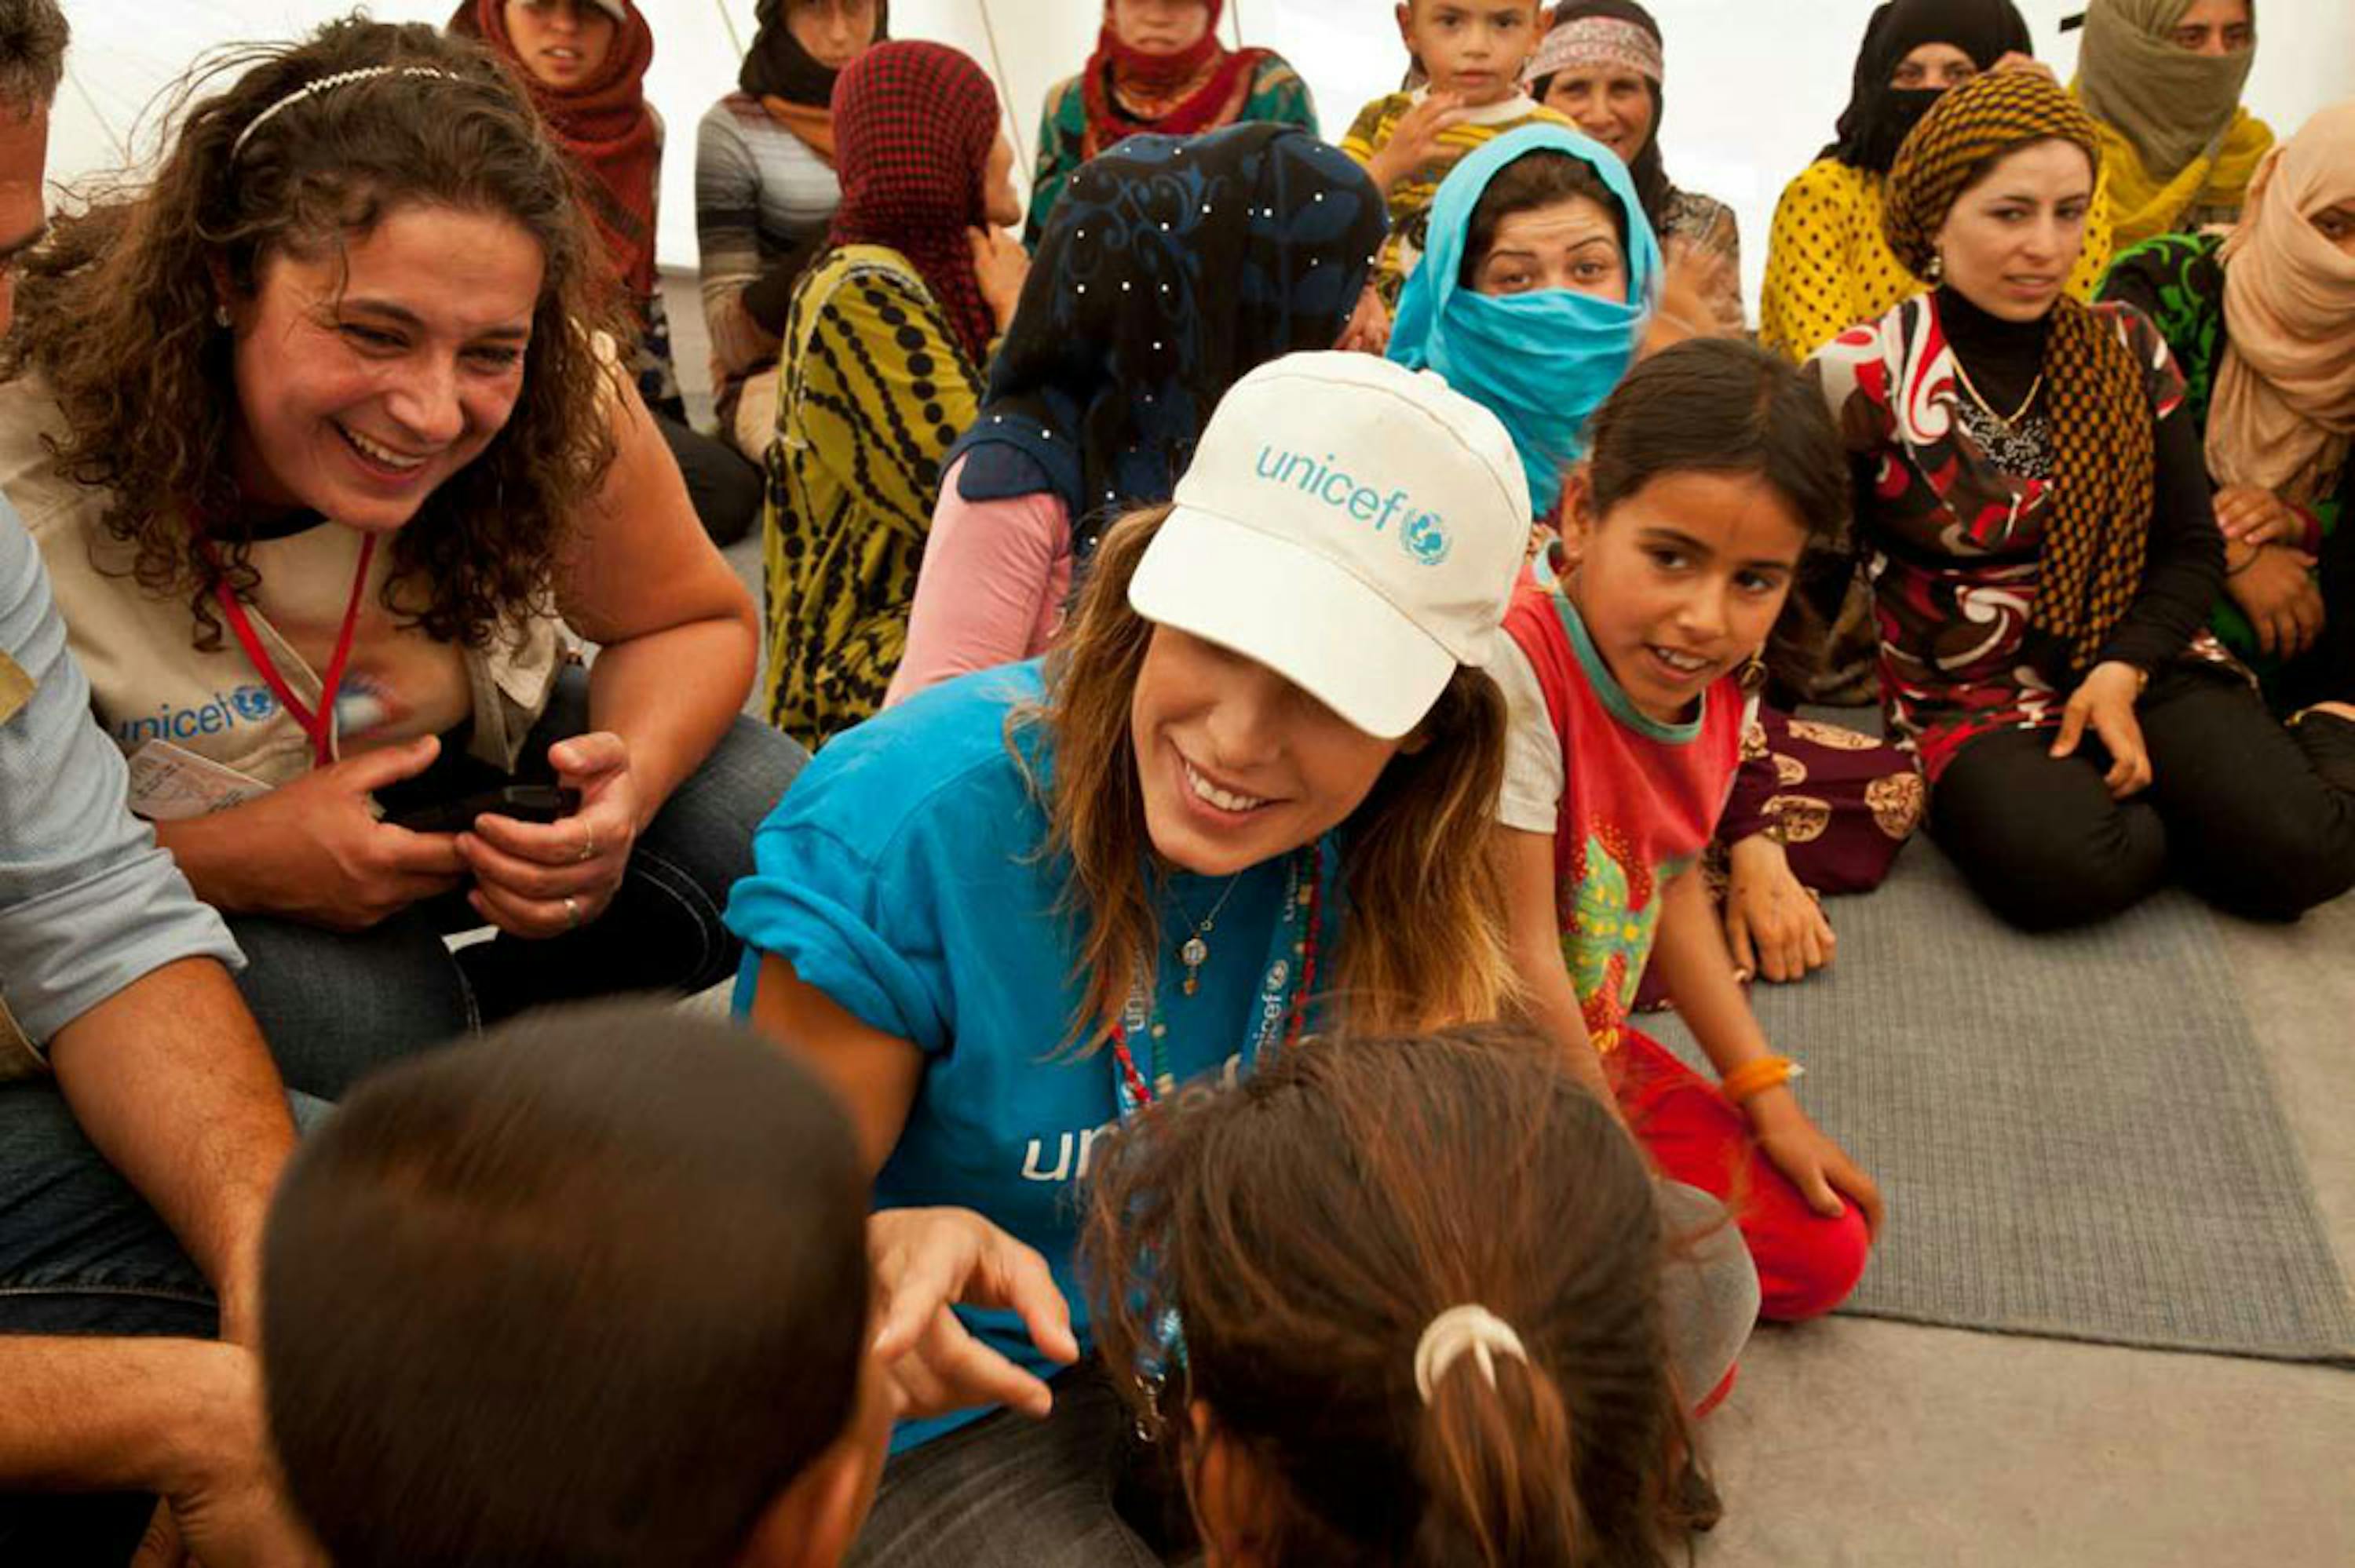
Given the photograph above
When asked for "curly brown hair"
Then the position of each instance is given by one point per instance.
(116, 314)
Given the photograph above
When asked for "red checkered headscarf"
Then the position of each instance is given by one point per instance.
(913, 124)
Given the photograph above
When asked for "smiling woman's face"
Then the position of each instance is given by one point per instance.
(1236, 763)
(367, 376)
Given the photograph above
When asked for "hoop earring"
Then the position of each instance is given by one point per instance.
(221, 317)
(1750, 675)
(1938, 271)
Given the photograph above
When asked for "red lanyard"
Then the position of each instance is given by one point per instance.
(319, 726)
(1125, 1060)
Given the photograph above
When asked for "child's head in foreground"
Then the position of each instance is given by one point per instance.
(591, 1291)
(1418, 1281)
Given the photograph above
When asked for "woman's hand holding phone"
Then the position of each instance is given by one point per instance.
(544, 879)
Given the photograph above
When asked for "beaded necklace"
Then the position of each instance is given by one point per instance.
(1283, 995)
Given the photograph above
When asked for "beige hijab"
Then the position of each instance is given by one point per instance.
(2285, 401)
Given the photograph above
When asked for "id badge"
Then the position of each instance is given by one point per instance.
(170, 783)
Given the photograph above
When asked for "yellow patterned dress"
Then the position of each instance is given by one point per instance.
(874, 388)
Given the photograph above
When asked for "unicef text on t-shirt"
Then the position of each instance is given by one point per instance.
(227, 711)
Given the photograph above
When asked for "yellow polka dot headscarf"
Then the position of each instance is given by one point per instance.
(2098, 514)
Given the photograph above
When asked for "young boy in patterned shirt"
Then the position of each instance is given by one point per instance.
(1471, 54)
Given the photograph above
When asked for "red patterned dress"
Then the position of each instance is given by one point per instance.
(1953, 527)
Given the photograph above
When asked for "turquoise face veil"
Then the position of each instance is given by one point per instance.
(1541, 362)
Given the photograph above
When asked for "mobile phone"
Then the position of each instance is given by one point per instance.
(523, 802)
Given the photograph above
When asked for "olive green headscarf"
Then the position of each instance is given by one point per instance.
(2169, 102)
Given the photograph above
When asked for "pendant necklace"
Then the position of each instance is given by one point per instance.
(2017, 414)
(1195, 951)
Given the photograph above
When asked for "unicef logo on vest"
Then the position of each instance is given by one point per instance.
(247, 704)
(1422, 533)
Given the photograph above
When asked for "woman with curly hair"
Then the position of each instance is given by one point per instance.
(325, 447)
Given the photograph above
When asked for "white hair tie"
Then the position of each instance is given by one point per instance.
(1456, 1331)
(313, 88)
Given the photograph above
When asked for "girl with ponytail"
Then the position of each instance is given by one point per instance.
(1382, 1354)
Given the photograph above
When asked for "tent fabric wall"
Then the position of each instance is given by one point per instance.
(1754, 89)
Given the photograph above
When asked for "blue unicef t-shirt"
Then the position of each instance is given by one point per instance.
(903, 875)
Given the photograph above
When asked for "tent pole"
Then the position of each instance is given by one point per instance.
(1005, 85)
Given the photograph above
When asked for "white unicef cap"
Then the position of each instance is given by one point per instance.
(1350, 524)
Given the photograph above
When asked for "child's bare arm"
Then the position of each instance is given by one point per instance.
(1525, 865)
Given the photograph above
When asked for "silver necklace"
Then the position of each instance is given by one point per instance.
(1195, 950)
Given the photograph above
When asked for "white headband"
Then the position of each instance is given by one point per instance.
(313, 88)
(1456, 1331)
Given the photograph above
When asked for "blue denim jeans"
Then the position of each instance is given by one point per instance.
(333, 1004)
(1007, 1492)
(81, 1253)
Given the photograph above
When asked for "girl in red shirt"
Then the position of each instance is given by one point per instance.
(1711, 470)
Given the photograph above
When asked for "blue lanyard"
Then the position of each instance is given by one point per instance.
(1278, 1005)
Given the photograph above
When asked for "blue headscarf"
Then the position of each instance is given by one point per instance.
(1541, 362)
(1170, 266)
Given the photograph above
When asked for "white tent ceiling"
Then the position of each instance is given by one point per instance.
(1753, 88)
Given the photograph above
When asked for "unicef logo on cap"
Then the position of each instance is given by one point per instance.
(1422, 533)
(1425, 538)
(253, 703)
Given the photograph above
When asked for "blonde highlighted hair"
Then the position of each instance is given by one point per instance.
(1420, 929)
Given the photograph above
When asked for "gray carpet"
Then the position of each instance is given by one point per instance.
(2077, 1135)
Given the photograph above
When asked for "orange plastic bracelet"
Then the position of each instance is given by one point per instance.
(1756, 1077)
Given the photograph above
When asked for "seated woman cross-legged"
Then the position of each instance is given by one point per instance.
(2044, 554)
(319, 440)
(1245, 798)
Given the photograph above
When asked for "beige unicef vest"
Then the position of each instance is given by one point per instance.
(149, 682)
